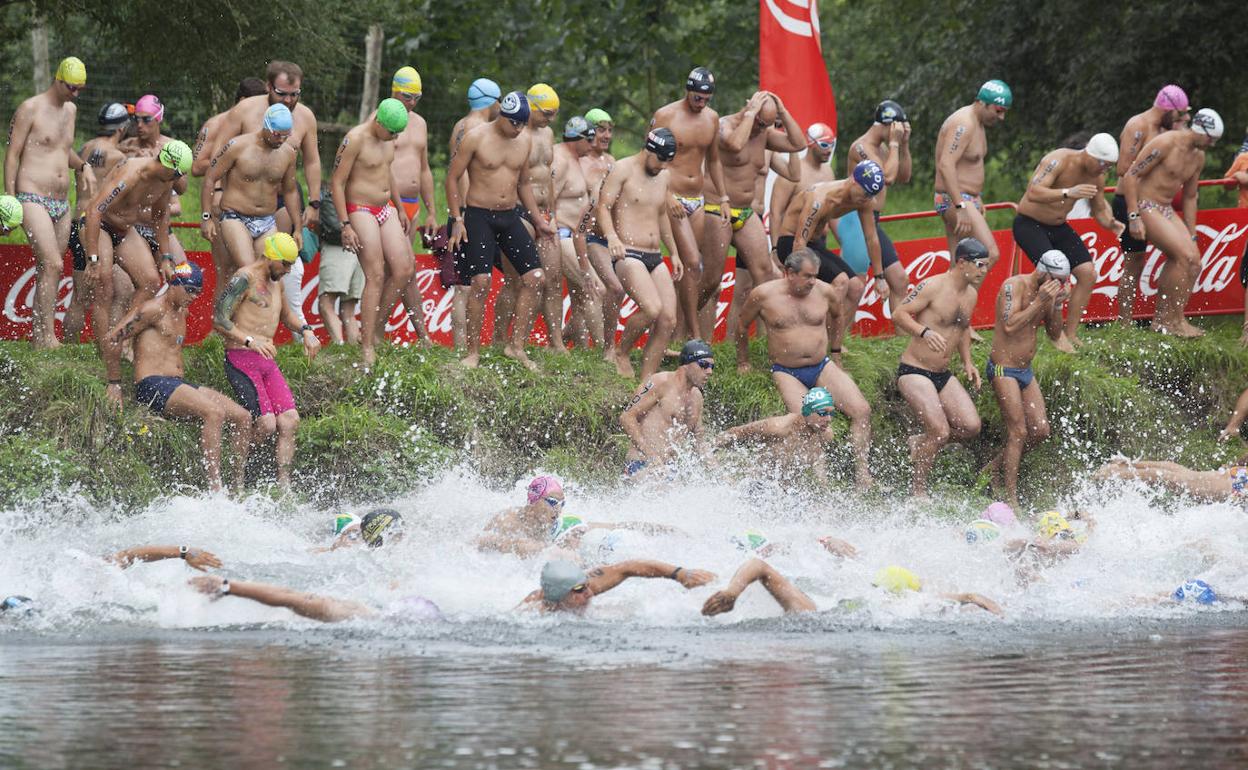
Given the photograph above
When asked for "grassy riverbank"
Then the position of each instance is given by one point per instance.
(366, 436)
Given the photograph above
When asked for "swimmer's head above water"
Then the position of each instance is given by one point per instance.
(565, 586)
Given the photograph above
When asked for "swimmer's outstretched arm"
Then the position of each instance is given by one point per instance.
(195, 557)
(605, 578)
(520, 546)
(790, 598)
(982, 602)
(314, 606)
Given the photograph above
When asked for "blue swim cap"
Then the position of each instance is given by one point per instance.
(18, 605)
(187, 274)
(869, 176)
(1197, 590)
(277, 118)
(482, 93)
(515, 106)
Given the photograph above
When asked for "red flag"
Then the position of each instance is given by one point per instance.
(790, 63)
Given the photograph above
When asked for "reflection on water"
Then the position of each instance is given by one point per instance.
(768, 696)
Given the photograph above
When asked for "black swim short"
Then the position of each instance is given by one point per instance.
(830, 265)
(939, 379)
(489, 230)
(651, 259)
(76, 229)
(1035, 237)
(1119, 207)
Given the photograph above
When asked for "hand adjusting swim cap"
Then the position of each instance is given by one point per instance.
(996, 92)
(515, 107)
(1055, 263)
(281, 247)
(662, 142)
(71, 70)
(482, 93)
(406, 81)
(970, 249)
(577, 128)
(113, 115)
(695, 350)
(1103, 147)
(177, 156)
(543, 97)
(817, 400)
(187, 274)
(597, 116)
(277, 118)
(1209, 123)
(869, 177)
(148, 104)
(10, 212)
(392, 115)
(700, 80)
(1171, 97)
(889, 112)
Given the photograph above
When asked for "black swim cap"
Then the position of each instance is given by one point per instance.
(695, 350)
(662, 142)
(969, 249)
(377, 521)
(113, 115)
(888, 112)
(700, 80)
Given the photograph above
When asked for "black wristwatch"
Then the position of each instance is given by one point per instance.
(315, 204)
(182, 551)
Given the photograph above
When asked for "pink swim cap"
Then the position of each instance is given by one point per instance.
(1171, 97)
(1000, 514)
(542, 486)
(150, 105)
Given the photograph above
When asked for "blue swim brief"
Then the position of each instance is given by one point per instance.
(1024, 376)
(154, 392)
(807, 375)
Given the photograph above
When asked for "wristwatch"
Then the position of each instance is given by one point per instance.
(960, 205)
(182, 551)
(316, 204)
(205, 216)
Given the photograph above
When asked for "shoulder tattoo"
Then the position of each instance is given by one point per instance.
(1044, 173)
(637, 398)
(957, 139)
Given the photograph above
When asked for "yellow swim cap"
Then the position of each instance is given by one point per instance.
(406, 81)
(72, 71)
(1053, 524)
(281, 248)
(544, 97)
(896, 579)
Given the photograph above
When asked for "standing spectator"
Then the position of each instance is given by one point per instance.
(341, 281)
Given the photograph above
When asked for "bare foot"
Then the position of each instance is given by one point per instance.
(556, 350)
(51, 344)
(719, 603)
(623, 366)
(993, 470)
(1064, 345)
(470, 361)
(975, 336)
(369, 356)
(1074, 340)
(518, 354)
(742, 368)
(1189, 330)
(670, 354)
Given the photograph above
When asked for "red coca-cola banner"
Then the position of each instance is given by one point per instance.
(790, 62)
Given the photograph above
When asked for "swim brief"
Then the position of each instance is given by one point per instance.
(830, 265)
(807, 375)
(691, 203)
(256, 225)
(257, 382)
(651, 259)
(939, 379)
(56, 207)
(1165, 209)
(411, 206)
(154, 391)
(943, 202)
(595, 238)
(739, 216)
(116, 236)
(1025, 376)
(380, 213)
(634, 467)
(1129, 244)
(1035, 238)
(491, 230)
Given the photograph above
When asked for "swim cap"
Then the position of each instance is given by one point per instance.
(10, 212)
(378, 521)
(577, 128)
(342, 521)
(1001, 514)
(543, 486)
(1171, 97)
(482, 93)
(750, 540)
(187, 274)
(278, 118)
(113, 115)
(695, 350)
(970, 249)
(996, 92)
(18, 605)
(281, 247)
(981, 531)
(1197, 590)
(71, 70)
(565, 524)
(406, 81)
(559, 578)
(888, 112)
(820, 132)
(177, 156)
(1103, 147)
(700, 80)
(896, 579)
(869, 177)
(150, 105)
(543, 96)
(515, 107)
(598, 115)
(392, 115)
(662, 142)
(1208, 122)
(817, 400)
(1052, 524)
(1054, 263)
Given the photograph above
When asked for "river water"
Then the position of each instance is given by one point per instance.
(1090, 667)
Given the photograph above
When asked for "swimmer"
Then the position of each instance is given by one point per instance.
(1228, 483)
(814, 166)
(937, 316)
(414, 180)
(1063, 178)
(40, 151)
(1025, 303)
(375, 225)
(327, 609)
(1169, 112)
(961, 148)
(195, 558)
(375, 528)
(695, 127)
(596, 164)
(158, 327)
(1054, 540)
(568, 588)
(667, 410)
(571, 209)
(631, 213)
(1171, 162)
(798, 439)
(494, 157)
(246, 317)
(543, 109)
(887, 143)
(795, 310)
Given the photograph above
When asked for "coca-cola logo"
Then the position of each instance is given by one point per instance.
(1218, 260)
(922, 267)
(20, 298)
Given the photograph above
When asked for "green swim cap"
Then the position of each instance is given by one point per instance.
(996, 92)
(10, 212)
(392, 115)
(598, 115)
(177, 156)
(817, 400)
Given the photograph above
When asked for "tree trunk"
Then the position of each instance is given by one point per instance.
(39, 54)
(372, 68)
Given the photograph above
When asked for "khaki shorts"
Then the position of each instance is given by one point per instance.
(340, 272)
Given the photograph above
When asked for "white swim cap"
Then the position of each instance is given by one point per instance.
(1103, 147)
(1054, 263)
(1208, 122)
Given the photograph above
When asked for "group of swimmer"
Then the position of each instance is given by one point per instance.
(543, 212)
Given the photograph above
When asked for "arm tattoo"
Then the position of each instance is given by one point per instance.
(810, 220)
(128, 329)
(1008, 290)
(341, 149)
(199, 142)
(1140, 167)
(228, 302)
(597, 572)
(221, 154)
(862, 151)
(957, 138)
(111, 197)
(1042, 175)
(637, 398)
(1135, 140)
(914, 293)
